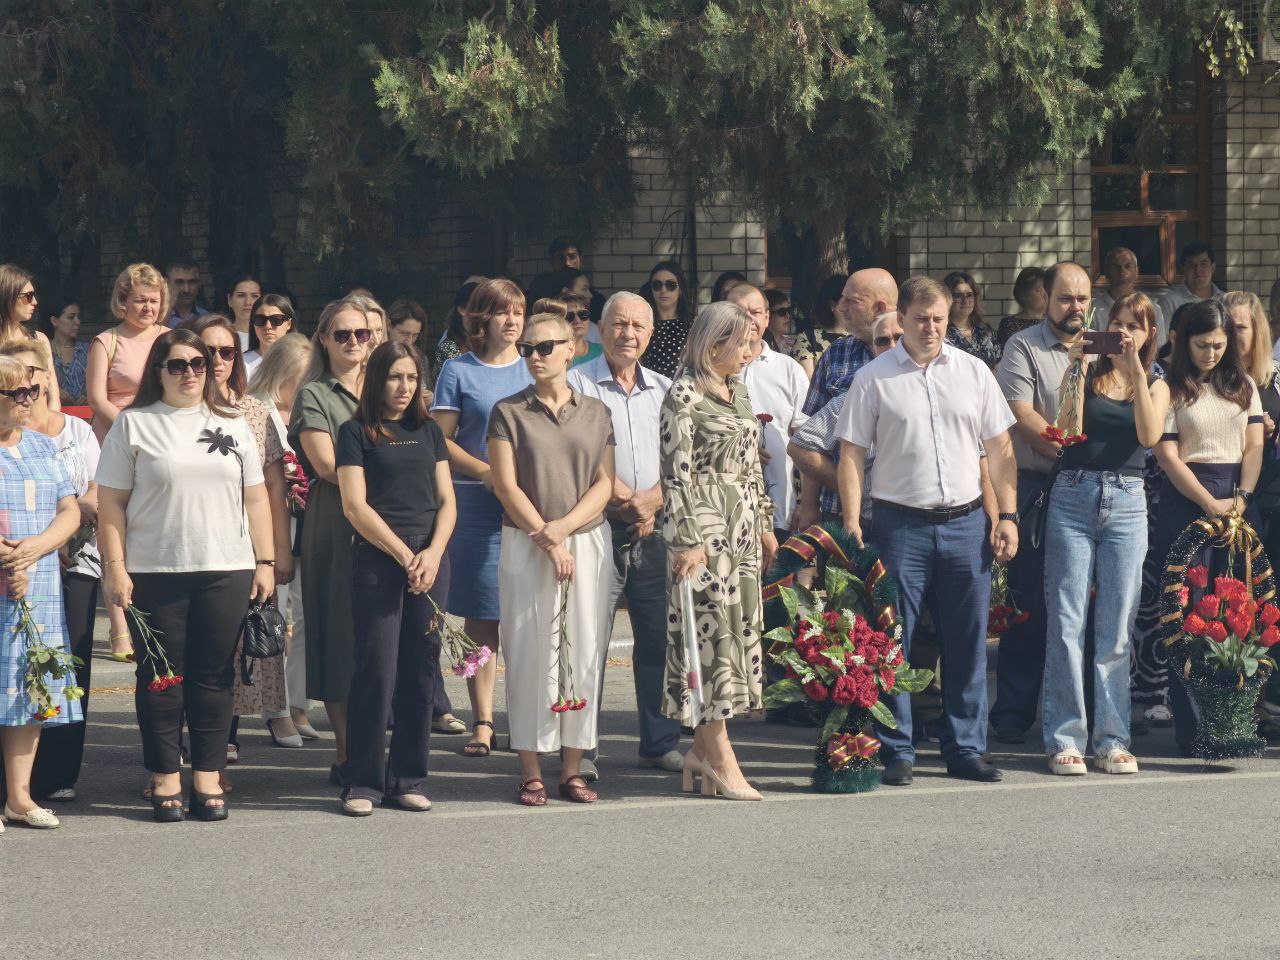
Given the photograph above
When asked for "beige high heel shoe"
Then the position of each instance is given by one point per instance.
(690, 767)
(713, 786)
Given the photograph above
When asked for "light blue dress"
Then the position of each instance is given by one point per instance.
(32, 481)
(470, 388)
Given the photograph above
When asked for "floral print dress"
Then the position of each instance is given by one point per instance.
(982, 344)
(714, 497)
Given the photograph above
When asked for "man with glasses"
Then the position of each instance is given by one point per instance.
(183, 277)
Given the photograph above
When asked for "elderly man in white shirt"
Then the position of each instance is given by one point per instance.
(926, 407)
(634, 396)
(777, 386)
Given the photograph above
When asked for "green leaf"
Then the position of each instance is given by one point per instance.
(836, 581)
(912, 680)
(835, 720)
(883, 715)
(783, 692)
(810, 607)
(788, 597)
(778, 633)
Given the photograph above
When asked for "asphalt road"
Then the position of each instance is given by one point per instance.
(1177, 862)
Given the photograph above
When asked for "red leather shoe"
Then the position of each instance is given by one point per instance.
(532, 796)
(575, 790)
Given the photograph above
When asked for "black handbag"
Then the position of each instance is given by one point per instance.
(262, 632)
(1266, 496)
(1035, 512)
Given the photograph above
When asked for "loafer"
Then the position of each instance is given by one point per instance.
(671, 761)
(975, 769)
(1008, 733)
(448, 725)
(897, 773)
(357, 807)
(39, 818)
(413, 802)
(587, 770)
(62, 795)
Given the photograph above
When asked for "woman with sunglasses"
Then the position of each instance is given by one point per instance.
(552, 455)
(117, 360)
(271, 319)
(327, 400)
(780, 334)
(576, 309)
(38, 514)
(18, 302)
(393, 472)
(466, 390)
(186, 536)
(266, 695)
(61, 749)
(667, 292)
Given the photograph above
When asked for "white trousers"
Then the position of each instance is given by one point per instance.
(295, 661)
(529, 600)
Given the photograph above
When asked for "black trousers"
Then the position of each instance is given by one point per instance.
(396, 664)
(197, 618)
(61, 748)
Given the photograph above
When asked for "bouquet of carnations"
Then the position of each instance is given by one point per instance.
(296, 480)
(162, 673)
(463, 654)
(45, 664)
(1003, 611)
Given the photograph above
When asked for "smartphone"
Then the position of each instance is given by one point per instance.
(1102, 342)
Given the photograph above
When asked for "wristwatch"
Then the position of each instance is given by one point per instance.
(1012, 517)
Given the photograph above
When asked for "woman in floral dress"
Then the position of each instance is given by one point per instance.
(718, 523)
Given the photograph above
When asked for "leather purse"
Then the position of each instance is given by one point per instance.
(1035, 512)
(262, 632)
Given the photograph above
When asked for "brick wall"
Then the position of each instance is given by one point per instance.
(1246, 183)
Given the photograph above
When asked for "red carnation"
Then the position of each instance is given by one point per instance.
(1270, 637)
(1021, 616)
(790, 672)
(831, 618)
(764, 417)
(887, 678)
(1194, 624)
(1269, 615)
(844, 691)
(1198, 576)
(1216, 631)
(1208, 606)
(868, 694)
(816, 690)
(1244, 605)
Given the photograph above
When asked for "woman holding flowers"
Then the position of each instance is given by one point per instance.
(38, 514)
(1096, 532)
(1211, 450)
(551, 449)
(186, 535)
(393, 473)
(718, 523)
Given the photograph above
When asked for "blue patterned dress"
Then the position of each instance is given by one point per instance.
(32, 481)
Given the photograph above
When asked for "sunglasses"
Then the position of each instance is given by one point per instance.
(578, 316)
(23, 395)
(276, 320)
(179, 368)
(543, 349)
(226, 353)
(887, 341)
(671, 286)
(361, 336)
(28, 295)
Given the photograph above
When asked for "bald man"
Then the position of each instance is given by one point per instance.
(867, 294)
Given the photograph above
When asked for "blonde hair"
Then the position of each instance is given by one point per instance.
(1261, 367)
(139, 275)
(716, 325)
(369, 305)
(320, 356)
(288, 359)
(33, 347)
(12, 374)
(550, 319)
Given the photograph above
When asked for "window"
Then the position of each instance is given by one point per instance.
(1157, 211)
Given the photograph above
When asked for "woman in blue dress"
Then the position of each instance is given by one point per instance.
(466, 390)
(38, 514)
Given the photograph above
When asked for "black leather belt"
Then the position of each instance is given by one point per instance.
(937, 514)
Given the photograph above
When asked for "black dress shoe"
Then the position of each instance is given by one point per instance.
(975, 768)
(897, 773)
(1008, 733)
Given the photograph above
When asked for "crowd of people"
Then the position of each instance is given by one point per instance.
(556, 453)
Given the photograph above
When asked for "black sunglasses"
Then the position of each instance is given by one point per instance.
(179, 368)
(543, 349)
(275, 319)
(226, 353)
(671, 286)
(23, 395)
(342, 336)
(578, 316)
(883, 341)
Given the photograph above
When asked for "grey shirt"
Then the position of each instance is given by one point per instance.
(1031, 371)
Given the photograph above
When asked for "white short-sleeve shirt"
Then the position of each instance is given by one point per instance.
(927, 425)
(777, 386)
(187, 470)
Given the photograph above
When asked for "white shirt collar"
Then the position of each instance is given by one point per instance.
(905, 359)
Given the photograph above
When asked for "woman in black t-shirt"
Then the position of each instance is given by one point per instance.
(393, 472)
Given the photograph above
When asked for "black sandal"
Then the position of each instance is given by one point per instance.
(475, 748)
(164, 810)
(204, 807)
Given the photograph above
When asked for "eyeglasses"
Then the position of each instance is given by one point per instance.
(225, 353)
(781, 311)
(361, 336)
(28, 295)
(578, 316)
(963, 297)
(23, 395)
(275, 319)
(179, 368)
(543, 349)
(671, 286)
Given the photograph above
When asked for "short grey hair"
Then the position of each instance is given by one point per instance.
(716, 325)
(619, 298)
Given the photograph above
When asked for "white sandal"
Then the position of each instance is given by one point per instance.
(1068, 763)
(1117, 760)
(1158, 716)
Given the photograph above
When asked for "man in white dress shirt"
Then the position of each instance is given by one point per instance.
(777, 386)
(1196, 262)
(927, 408)
(634, 396)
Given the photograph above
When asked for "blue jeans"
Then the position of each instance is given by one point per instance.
(948, 567)
(1095, 532)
